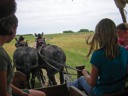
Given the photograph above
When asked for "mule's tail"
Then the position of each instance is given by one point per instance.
(26, 63)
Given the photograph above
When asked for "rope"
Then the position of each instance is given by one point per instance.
(56, 68)
(42, 56)
(59, 64)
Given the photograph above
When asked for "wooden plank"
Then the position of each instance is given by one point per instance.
(57, 90)
(79, 73)
(76, 92)
(19, 80)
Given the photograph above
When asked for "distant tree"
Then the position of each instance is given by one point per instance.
(91, 31)
(83, 30)
(68, 31)
(24, 34)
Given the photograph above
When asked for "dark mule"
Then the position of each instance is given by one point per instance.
(52, 59)
(26, 61)
(7, 7)
(20, 42)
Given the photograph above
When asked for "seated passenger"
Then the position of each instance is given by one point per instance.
(108, 62)
(8, 27)
(122, 30)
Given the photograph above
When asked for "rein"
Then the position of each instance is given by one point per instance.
(46, 58)
(59, 64)
(56, 68)
(42, 56)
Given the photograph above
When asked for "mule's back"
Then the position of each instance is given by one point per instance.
(53, 56)
(54, 53)
(25, 57)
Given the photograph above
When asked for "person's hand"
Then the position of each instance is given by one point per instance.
(8, 95)
(25, 94)
(84, 71)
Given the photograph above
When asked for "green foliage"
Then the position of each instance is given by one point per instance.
(69, 31)
(83, 30)
(91, 31)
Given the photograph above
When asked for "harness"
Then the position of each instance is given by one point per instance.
(21, 44)
(40, 42)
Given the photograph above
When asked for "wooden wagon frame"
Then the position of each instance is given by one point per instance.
(57, 90)
(121, 4)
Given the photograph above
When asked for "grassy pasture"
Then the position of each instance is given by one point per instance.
(73, 44)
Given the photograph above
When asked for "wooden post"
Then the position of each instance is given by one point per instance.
(79, 73)
(122, 15)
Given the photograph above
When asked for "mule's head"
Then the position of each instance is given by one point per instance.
(20, 42)
(7, 8)
(40, 40)
(39, 34)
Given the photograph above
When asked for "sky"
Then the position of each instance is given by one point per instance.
(56, 16)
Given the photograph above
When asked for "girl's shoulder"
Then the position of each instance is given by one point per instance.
(1, 49)
(99, 52)
(123, 50)
(2, 52)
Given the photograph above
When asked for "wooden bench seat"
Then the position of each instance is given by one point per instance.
(76, 92)
(57, 90)
(19, 80)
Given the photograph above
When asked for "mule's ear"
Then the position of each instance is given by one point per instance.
(35, 34)
(42, 33)
(26, 41)
(16, 39)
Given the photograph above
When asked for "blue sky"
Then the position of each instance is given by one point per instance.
(56, 16)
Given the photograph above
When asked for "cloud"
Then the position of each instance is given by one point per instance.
(55, 16)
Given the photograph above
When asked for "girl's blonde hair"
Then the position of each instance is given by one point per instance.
(106, 38)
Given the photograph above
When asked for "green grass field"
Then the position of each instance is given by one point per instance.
(73, 44)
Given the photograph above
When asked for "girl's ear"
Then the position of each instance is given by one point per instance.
(4, 31)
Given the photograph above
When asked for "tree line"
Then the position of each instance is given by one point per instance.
(81, 30)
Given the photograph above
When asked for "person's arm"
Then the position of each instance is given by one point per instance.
(18, 91)
(15, 90)
(3, 83)
(92, 78)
